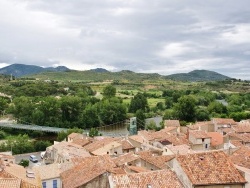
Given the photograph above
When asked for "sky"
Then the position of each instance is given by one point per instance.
(159, 36)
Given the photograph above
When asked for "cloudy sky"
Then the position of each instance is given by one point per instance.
(159, 36)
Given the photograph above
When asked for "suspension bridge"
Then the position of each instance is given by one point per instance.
(114, 130)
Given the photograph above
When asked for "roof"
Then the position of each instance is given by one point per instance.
(17, 171)
(126, 145)
(181, 149)
(157, 179)
(107, 147)
(52, 170)
(137, 169)
(216, 138)
(210, 168)
(73, 135)
(98, 144)
(10, 183)
(199, 124)
(199, 134)
(236, 143)
(245, 137)
(157, 160)
(241, 157)
(70, 150)
(242, 127)
(126, 158)
(86, 170)
(137, 138)
(81, 142)
(172, 123)
(224, 121)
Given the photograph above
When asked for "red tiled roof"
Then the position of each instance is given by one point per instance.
(138, 169)
(126, 158)
(224, 121)
(10, 183)
(216, 138)
(98, 144)
(241, 157)
(87, 170)
(157, 160)
(172, 123)
(199, 134)
(242, 128)
(126, 144)
(245, 137)
(210, 168)
(157, 179)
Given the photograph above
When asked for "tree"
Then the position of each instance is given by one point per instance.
(3, 105)
(185, 108)
(139, 102)
(109, 91)
(93, 132)
(140, 117)
(24, 163)
(41, 145)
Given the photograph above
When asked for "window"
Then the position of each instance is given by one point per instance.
(54, 183)
(203, 139)
(44, 184)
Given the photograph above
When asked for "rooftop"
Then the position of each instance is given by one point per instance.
(126, 158)
(216, 138)
(199, 134)
(10, 183)
(210, 168)
(172, 123)
(155, 179)
(241, 157)
(224, 121)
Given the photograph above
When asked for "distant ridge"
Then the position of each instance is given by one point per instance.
(99, 70)
(198, 75)
(19, 70)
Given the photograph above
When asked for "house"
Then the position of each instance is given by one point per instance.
(16, 173)
(64, 151)
(217, 140)
(199, 140)
(136, 141)
(74, 136)
(7, 158)
(153, 179)
(202, 125)
(105, 145)
(153, 161)
(126, 146)
(241, 157)
(221, 123)
(244, 138)
(178, 150)
(127, 159)
(50, 174)
(90, 172)
(207, 169)
(172, 123)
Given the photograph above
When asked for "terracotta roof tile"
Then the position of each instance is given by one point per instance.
(157, 160)
(98, 144)
(137, 138)
(236, 143)
(242, 128)
(224, 121)
(216, 138)
(126, 158)
(199, 134)
(10, 183)
(126, 145)
(245, 137)
(86, 170)
(210, 168)
(138, 169)
(181, 149)
(172, 123)
(157, 179)
(241, 157)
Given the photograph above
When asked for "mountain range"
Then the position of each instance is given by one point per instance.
(21, 70)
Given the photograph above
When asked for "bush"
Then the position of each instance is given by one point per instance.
(42, 145)
(24, 163)
(2, 134)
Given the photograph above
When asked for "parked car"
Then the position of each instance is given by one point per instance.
(33, 158)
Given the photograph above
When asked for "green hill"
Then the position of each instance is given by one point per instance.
(198, 75)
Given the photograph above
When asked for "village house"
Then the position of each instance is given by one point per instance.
(104, 146)
(202, 125)
(63, 152)
(171, 124)
(222, 123)
(199, 140)
(90, 172)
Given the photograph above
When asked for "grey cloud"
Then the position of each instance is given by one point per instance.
(145, 36)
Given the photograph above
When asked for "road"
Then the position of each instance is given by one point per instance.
(25, 156)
